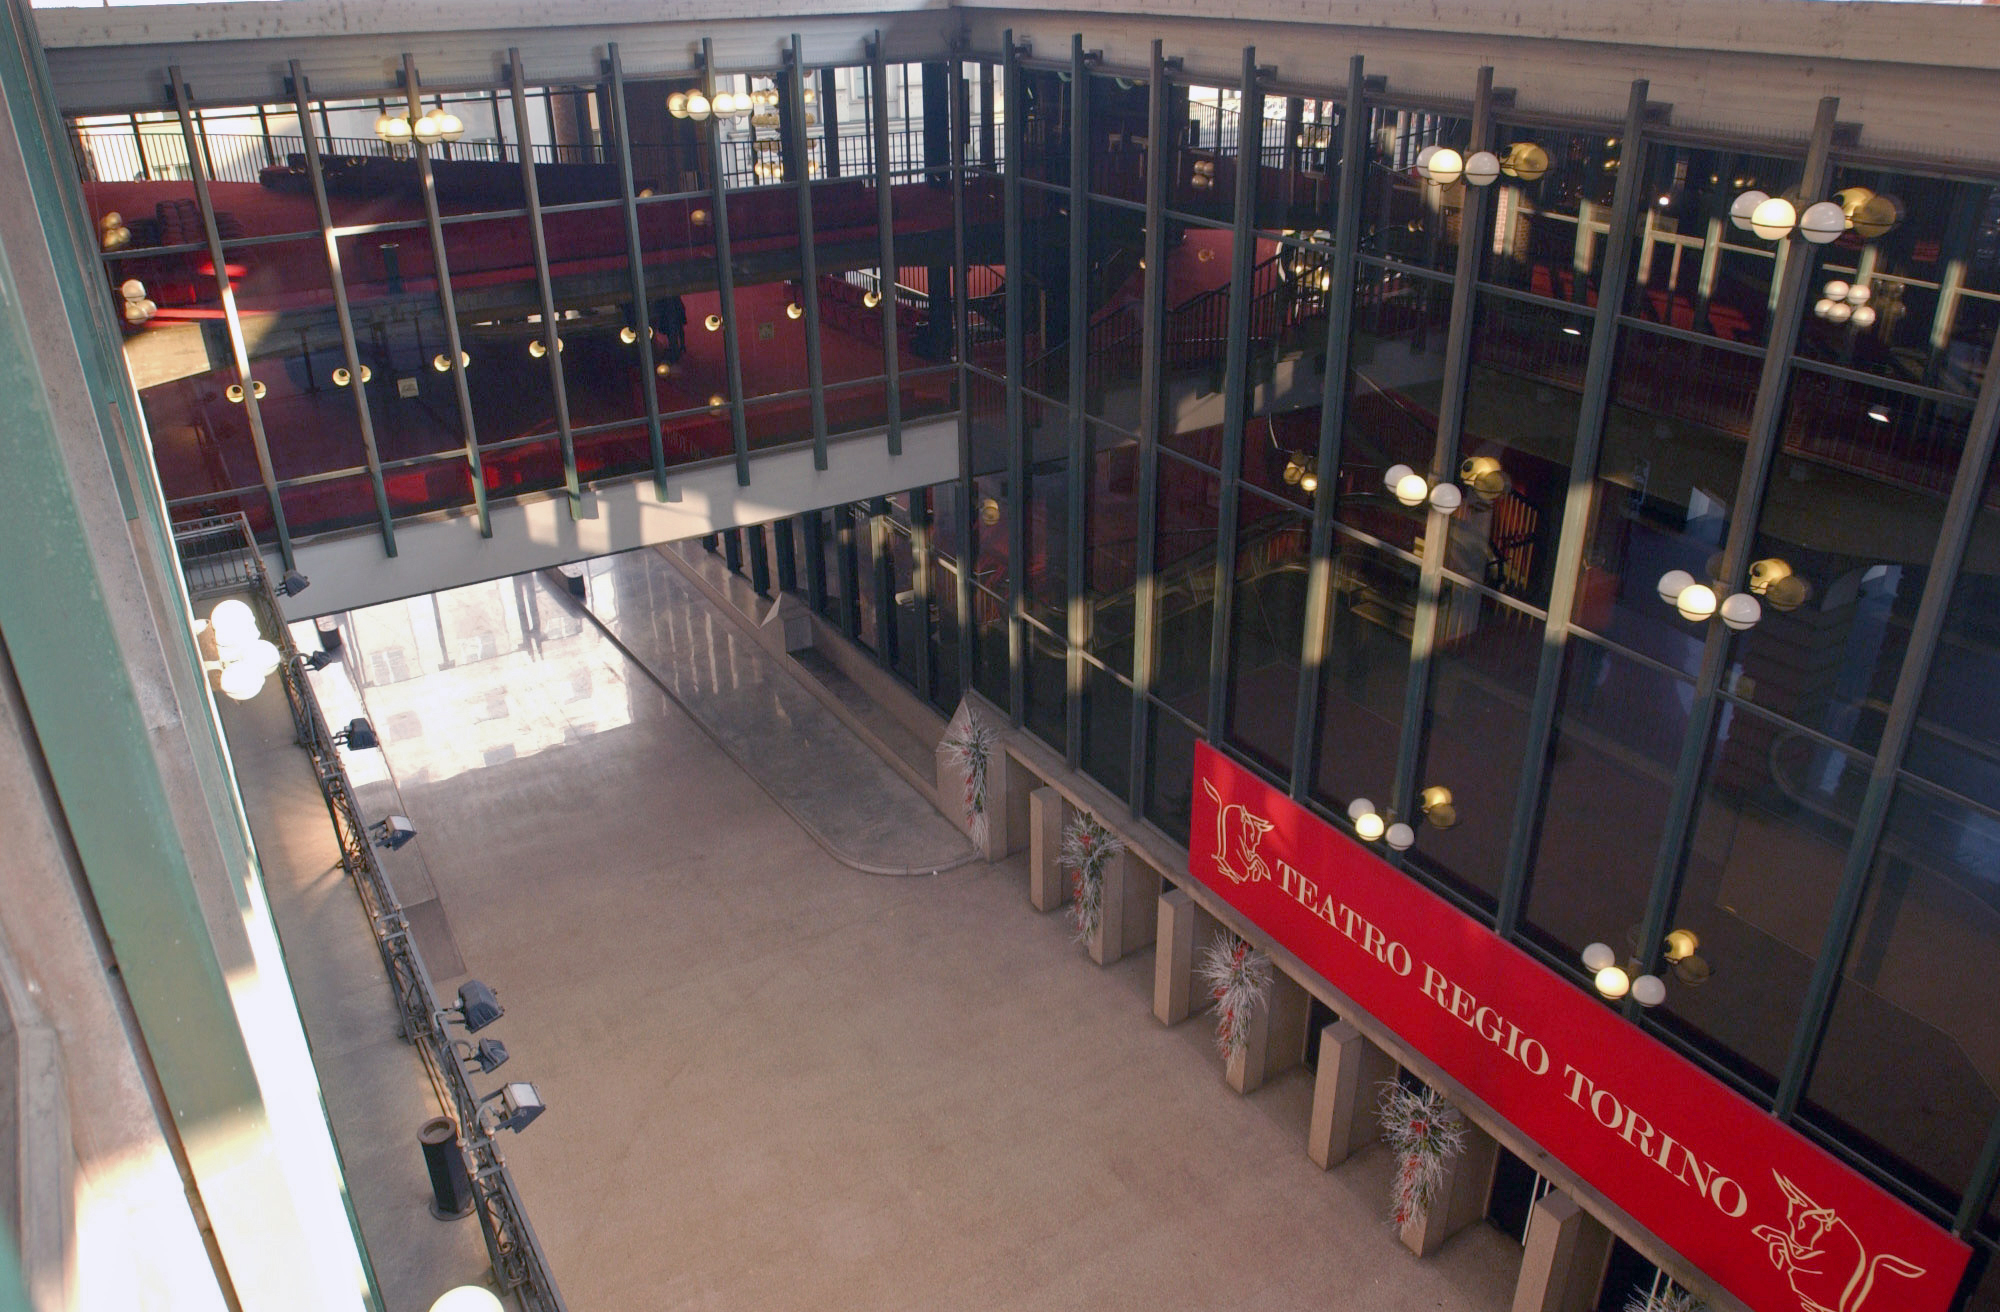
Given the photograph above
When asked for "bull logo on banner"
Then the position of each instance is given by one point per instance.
(1238, 836)
(1828, 1266)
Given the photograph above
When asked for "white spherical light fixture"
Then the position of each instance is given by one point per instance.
(1400, 836)
(234, 622)
(1393, 475)
(1446, 497)
(1744, 206)
(1424, 158)
(1649, 990)
(241, 681)
(1370, 827)
(1359, 807)
(1839, 312)
(1597, 956)
(1774, 218)
(1446, 166)
(1836, 290)
(1822, 223)
(1411, 489)
(697, 106)
(1863, 316)
(468, 1298)
(1613, 982)
(677, 104)
(1482, 167)
(1696, 602)
(1673, 583)
(1740, 610)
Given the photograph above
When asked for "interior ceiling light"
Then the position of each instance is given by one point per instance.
(713, 322)
(342, 378)
(392, 127)
(437, 125)
(442, 362)
(795, 310)
(628, 334)
(539, 348)
(1846, 303)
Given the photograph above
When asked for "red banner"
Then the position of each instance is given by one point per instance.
(1765, 1213)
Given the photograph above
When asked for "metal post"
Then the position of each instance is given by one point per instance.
(1017, 470)
(1792, 290)
(725, 277)
(1236, 400)
(1077, 487)
(1961, 516)
(885, 219)
(550, 338)
(341, 313)
(1476, 205)
(962, 310)
(1332, 424)
(428, 185)
(1145, 590)
(642, 319)
(798, 159)
(238, 347)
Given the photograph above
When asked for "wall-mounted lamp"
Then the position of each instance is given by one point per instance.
(478, 1005)
(1776, 217)
(1412, 489)
(489, 1054)
(436, 125)
(795, 311)
(138, 309)
(519, 1105)
(1434, 807)
(392, 831)
(713, 322)
(358, 736)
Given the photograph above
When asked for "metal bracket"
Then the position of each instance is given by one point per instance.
(1374, 84)
(1657, 112)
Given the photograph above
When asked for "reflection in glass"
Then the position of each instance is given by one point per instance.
(1267, 627)
(1169, 770)
(1367, 669)
(1770, 841)
(1195, 339)
(1118, 128)
(1045, 127)
(1483, 672)
(1207, 134)
(1046, 682)
(1956, 740)
(1107, 728)
(1046, 563)
(1911, 1057)
(1611, 766)
(1551, 210)
(1395, 386)
(1298, 185)
(1405, 217)
(1111, 547)
(1184, 598)
(1694, 268)
(1115, 312)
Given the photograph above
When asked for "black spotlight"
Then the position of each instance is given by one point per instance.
(393, 832)
(491, 1054)
(477, 1006)
(293, 583)
(319, 660)
(520, 1104)
(358, 736)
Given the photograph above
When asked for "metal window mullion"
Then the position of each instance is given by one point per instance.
(725, 275)
(801, 166)
(1077, 520)
(961, 487)
(1017, 473)
(1242, 259)
(447, 302)
(1332, 426)
(1626, 202)
(1145, 590)
(550, 338)
(1475, 205)
(885, 220)
(642, 319)
(1926, 629)
(342, 315)
(1760, 452)
(238, 347)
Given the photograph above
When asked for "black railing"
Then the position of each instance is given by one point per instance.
(219, 555)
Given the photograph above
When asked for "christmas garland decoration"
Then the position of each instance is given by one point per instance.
(1239, 981)
(1087, 847)
(971, 751)
(1675, 1299)
(1427, 1134)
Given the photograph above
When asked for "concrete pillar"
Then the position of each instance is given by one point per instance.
(1182, 929)
(1468, 1184)
(1048, 882)
(1129, 918)
(1010, 807)
(1345, 1093)
(1562, 1264)
(1277, 1036)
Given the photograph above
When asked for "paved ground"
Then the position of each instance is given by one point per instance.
(776, 1082)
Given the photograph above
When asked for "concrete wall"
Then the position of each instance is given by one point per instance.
(349, 570)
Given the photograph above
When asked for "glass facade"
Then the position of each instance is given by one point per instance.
(1184, 378)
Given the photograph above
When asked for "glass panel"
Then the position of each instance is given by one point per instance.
(1203, 127)
(667, 151)
(1116, 289)
(201, 443)
(1045, 129)
(1047, 684)
(986, 273)
(861, 529)
(1170, 771)
(1551, 210)
(1107, 729)
(1395, 385)
(1695, 267)
(1673, 448)
(1842, 552)
(1045, 293)
(1298, 185)
(1366, 675)
(929, 394)
(1405, 216)
(992, 549)
(139, 192)
(327, 504)
(1483, 673)
(986, 421)
(1611, 767)
(985, 114)
(925, 314)
(1184, 542)
(907, 625)
(1956, 740)
(1267, 628)
(857, 407)
(1118, 126)
(1523, 400)
(944, 633)
(1288, 327)
(1111, 547)
(1047, 560)
(828, 566)
(1912, 290)
(1911, 1057)
(1195, 339)
(1770, 841)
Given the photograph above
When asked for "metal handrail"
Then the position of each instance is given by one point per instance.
(219, 555)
